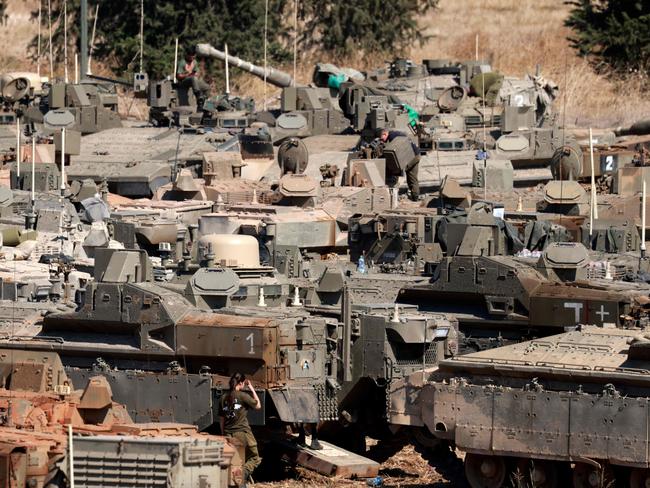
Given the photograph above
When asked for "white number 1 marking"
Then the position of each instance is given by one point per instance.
(250, 338)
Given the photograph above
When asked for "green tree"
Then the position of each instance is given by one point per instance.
(239, 23)
(335, 26)
(344, 27)
(613, 33)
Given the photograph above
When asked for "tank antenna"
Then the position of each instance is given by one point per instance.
(643, 217)
(141, 33)
(176, 60)
(295, 41)
(266, 28)
(484, 136)
(225, 49)
(38, 44)
(175, 167)
(92, 39)
(566, 68)
(71, 455)
(62, 163)
(83, 35)
(65, 40)
(593, 214)
(49, 19)
(17, 147)
(33, 186)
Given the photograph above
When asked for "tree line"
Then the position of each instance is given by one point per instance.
(338, 27)
(614, 34)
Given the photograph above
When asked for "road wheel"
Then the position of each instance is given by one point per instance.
(485, 471)
(538, 473)
(589, 476)
(424, 439)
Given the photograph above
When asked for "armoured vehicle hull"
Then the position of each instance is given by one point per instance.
(54, 436)
(534, 410)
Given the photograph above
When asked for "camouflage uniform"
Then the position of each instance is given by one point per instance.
(252, 454)
(236, 426)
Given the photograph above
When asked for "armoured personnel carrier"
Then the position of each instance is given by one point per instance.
(155, 345)
(476, 266)
(540, 413)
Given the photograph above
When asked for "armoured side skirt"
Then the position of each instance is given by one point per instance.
(156, 397)
(153, 397)
(540, 424)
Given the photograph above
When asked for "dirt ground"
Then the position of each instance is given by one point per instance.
(406, 468)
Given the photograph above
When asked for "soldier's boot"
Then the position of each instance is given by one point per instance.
(301, 436)
(315, 445)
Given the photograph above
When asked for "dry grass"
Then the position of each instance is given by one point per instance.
(514, 35)
(16, 34)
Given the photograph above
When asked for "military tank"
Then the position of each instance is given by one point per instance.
(320, 109)
(540, 413)
(453, 103)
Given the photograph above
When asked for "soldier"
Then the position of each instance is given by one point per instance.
(188, 76)
(233, 411)
(385, 136)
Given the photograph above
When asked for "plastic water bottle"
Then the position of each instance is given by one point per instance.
(376, 481)
(361, 265)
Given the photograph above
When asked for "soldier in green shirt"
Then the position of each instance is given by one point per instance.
(233, 418)
(187, 75)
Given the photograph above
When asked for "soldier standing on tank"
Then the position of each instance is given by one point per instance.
(411, 169)
(188, 76)
(233, 418)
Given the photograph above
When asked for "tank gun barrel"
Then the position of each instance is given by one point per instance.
(640, 128)
(273, 76)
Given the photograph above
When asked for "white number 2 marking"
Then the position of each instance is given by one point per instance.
(609, 163)
(249, 337)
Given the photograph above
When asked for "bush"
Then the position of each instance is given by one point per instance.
(344, 27)
(613, 33)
